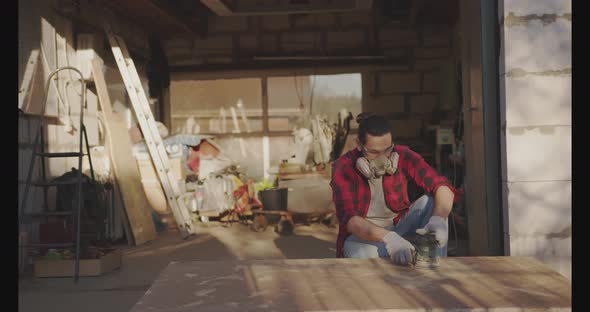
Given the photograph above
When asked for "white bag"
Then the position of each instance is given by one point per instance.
(209, 164)
(218, 194)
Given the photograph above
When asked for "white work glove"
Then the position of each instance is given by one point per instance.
(439, 227)
(399, 249)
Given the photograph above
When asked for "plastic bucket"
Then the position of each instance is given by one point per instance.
(274, 199)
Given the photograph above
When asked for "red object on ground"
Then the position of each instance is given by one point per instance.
(55, 233)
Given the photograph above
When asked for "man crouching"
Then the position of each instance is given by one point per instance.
(369, 190)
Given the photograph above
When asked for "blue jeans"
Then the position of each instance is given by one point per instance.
(418, 216)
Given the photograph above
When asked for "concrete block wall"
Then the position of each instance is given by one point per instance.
(413, 92)
(535, 97)
(408, 91)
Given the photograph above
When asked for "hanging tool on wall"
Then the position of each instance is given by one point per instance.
(243, 113)
(222, 115)
(237, 130)
(342, 131)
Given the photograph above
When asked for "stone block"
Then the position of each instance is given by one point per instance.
(535, 47)
(399, 52)
(352, 40)
(431, 82)
(177, 47)
(538, 153)
(426, 53)
(399, 82)
(429, 64)
(436, 41)
(248, 43)
(269, 43)
(300, 41)
(214, 45)
(407, 128)
(537, 100)
(355, 18)
(436, 36)
(423, 103)
(387, 104)
(186, 61)
(274, 22)
(225, 24)
(539, 7)
(394, 37)
(314, 20)
(218, 60)
(549, 204)
(327, 20)
(368, 84)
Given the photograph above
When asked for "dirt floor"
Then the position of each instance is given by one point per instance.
(121, 289)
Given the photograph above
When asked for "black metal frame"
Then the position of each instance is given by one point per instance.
(79, 199)
(490, 56)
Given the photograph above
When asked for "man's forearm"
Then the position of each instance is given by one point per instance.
(443, 202)
(366, 230)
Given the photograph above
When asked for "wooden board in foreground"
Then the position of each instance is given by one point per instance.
(124, 164)
(459, 284)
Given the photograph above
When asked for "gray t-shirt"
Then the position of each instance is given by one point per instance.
(378, 212)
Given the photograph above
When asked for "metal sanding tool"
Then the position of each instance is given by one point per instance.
(425, 254)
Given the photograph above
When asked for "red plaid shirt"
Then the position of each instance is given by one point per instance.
(351, 192)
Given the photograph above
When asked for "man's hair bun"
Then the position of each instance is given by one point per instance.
(364, 116)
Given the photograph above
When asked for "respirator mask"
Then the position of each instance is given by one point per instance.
(376, 168)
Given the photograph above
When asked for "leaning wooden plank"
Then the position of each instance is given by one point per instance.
(27, 82)
(124, 165)
(458, 284)
(118, 221)
(48, 52)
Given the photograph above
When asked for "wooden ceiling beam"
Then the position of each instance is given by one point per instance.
(181, 21)
(218, 7)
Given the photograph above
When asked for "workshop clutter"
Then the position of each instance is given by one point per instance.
(96, 258)
(210, 183)
(213, 185)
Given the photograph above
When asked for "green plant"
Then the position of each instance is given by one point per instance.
(264, 185)
(52, 254)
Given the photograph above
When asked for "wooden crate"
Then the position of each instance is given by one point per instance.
(88, 267)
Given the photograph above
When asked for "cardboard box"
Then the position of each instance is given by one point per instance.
(88, 267)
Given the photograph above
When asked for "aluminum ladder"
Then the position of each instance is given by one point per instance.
(153, 140)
